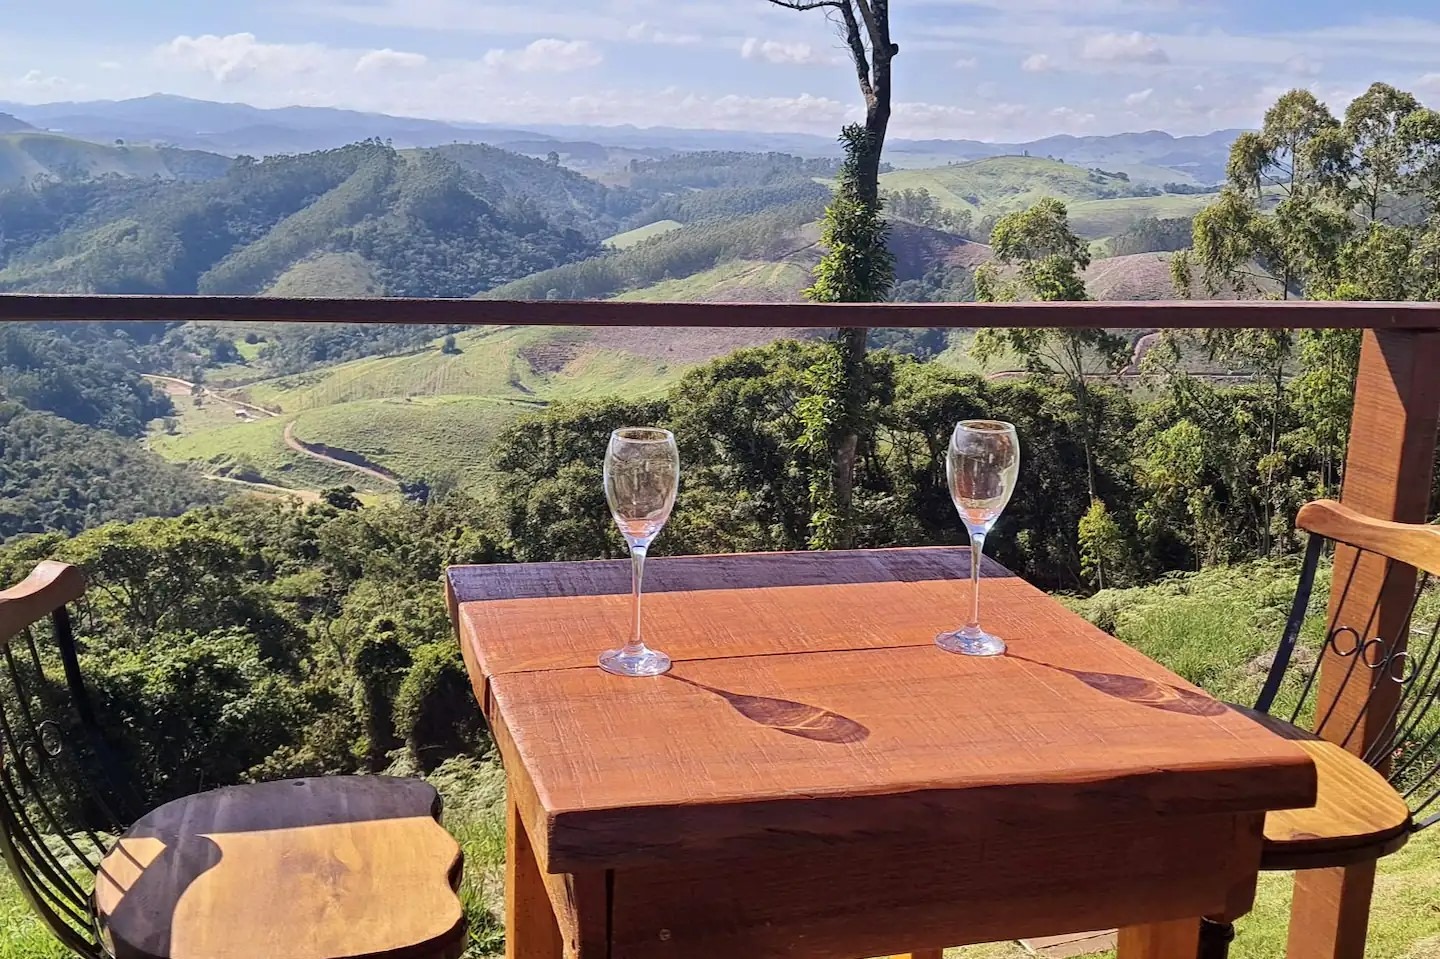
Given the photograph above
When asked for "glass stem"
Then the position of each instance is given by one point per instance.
(636, 646)
(977, 552)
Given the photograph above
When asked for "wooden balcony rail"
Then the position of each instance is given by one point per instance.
(1199, 314)
(1387, 474)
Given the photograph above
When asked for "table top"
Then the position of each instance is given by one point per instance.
(808, 703)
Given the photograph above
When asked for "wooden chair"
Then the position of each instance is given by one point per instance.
(306, 869)
(1371, 799)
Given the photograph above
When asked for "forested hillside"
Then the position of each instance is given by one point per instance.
(422, 224)
(70, 413)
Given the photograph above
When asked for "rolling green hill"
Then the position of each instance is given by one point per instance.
(443, 439)
(427, 414)
(1100, 204)
(1095, 219)
(29, 155)
(624, 241)
(329, 275)
(738, 281)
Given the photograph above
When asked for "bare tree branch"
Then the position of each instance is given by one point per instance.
(808, 4)
(858, 53)
(879, 46)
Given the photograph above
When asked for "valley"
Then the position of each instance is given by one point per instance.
(383, 409)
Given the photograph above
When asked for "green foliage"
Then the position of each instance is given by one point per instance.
(858, 266)
(562, 196)
(96, 387)
(58, 475)
(424, 224)
(675, 254)
(713, 169)
(1050, 261)
(720, 203)
(554, 497)
(435, 710)
(1354, 203)
(1103, 547)
(1152, 235)
(919, 205)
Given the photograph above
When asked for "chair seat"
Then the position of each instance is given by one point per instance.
(327, 868)
(1357, 816)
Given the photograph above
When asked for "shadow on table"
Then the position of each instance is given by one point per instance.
(1141, 692)
(788, 717)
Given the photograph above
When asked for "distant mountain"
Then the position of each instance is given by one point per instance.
(236, 128)
(30, 156)
(9, 124)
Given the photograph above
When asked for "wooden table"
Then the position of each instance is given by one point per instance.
(816, 780)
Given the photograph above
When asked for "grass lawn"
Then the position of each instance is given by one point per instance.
(427, 436)
(624, 241)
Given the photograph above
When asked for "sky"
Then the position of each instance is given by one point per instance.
(981, 69)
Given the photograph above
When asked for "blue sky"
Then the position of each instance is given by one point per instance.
(986, 69)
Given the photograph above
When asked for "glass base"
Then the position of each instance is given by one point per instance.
(971, 642)
(647, 662)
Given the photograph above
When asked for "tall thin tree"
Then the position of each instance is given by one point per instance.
(854, 269)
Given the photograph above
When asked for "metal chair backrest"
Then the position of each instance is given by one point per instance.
(55, 823)
(1403, 677)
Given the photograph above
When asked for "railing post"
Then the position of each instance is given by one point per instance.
(1388, 475)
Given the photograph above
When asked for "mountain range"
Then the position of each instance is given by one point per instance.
(237, 128)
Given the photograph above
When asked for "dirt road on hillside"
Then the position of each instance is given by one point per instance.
(300, 447)
(186, 387)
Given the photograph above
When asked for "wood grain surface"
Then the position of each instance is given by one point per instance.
(1388, 474)
(1357, 816)
(328, 868)
(711, 758)
(1184, 315)
(51, 586)
(1414, 544)
(890, 890)
(1331, 920)
(1179, 939)
(816, 780)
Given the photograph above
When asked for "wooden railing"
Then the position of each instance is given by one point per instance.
(1387, 475)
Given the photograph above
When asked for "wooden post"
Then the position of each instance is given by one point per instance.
(1161, 940)
(531, 930)
(1388, 475)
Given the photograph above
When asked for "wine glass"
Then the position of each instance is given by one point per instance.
(642, 476)
(982, 466)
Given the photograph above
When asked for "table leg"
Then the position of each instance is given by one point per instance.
(531, 930)
(1161, 940)
(1330, 916)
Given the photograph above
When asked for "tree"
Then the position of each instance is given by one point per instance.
(1049, 260)
(856, 268)
(1353, 219)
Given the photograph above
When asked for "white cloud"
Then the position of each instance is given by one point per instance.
(1429, 84)
(774, 51)
(967, 63)
(240, 55)
(1139, 97)
(35, 79)
(387, 59)
(547, 55)
(1037, 63)
(645, 33)
(111, 65)
(1070, 119)
(1133, 47)
(1303, 66)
